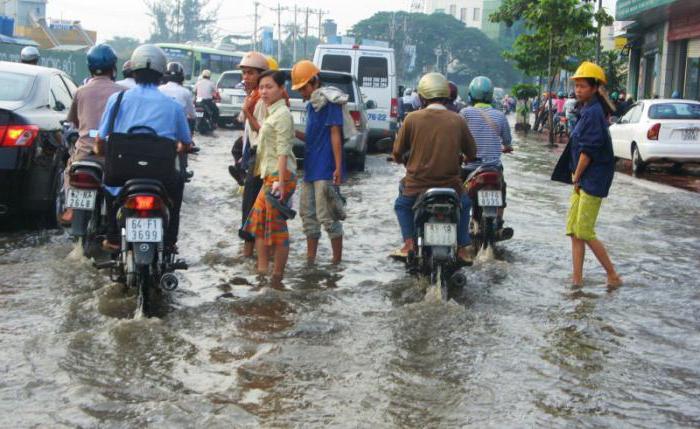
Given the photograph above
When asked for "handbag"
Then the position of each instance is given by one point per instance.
(142, 155)
(562, 171)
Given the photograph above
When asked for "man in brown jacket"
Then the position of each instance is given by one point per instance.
(432, 143)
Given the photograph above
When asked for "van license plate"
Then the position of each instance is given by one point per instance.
(440, 234)
(81, 199)
(144, 229)
(490, 198)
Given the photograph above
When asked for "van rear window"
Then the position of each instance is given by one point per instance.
(339, 63)
(373, 72)
(343, 83)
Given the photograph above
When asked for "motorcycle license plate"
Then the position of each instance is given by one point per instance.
(144, 229)
(81, 199)
(200, 114)
(490, 198)
(440, 234)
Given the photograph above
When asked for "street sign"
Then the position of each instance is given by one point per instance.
(629, 9)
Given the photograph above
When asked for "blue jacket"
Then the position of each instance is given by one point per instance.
(592, 137)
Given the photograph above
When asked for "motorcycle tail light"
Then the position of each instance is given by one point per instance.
(653, 133)
(18, 135)
(491, 178)
(82, 179)
(394, 108)
(357, 117)
(143, 202)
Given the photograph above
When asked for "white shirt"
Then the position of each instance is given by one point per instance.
(205, 89)
(181, 95)
(128, 83)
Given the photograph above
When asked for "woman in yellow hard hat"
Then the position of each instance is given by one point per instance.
(591, 167)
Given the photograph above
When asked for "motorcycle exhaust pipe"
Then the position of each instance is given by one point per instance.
(459, 280)
(169, 282)
(3, 209)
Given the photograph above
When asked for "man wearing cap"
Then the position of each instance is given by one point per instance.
(253, 114)
(431, 144)
(128, 82)
(205, 90)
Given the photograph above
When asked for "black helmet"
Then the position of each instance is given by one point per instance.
(454, 91)
(175, 72)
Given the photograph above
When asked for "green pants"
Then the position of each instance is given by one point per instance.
(583, 215)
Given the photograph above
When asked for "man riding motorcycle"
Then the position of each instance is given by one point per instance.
(174, 77)
(128, 82)
(146, 107)
(431, 144)
(29, 55)
(205, 90)
(490, 129)
(89, 104)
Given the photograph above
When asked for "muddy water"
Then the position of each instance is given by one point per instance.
(358, 345)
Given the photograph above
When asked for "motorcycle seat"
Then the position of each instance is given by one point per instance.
(483, 169)
(143, 185)
(435, 194)
(90, 162)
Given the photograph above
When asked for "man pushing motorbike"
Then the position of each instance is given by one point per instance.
(432, 144)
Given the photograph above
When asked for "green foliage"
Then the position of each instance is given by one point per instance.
(615, 67)
(523, 91)
(565, 25)
(465, 52)
(123, 46)
(182, 20)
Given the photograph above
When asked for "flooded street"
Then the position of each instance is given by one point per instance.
(357, 345)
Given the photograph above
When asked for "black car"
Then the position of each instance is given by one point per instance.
(33, 102)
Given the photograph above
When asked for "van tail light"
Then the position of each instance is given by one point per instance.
(18, 135)
(84, 180)
(357, 117)
(143, 202)
(394, 108)
(653, 133)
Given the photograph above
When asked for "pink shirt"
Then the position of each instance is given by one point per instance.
(559, 102)
(87, 108)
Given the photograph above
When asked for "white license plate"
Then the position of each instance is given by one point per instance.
(144, 229)
(200, 114)
(440, 234)
(689, 135)
(81, 199)
(237, 99)
(490, 198)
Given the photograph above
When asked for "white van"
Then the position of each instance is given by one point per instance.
(375, 71)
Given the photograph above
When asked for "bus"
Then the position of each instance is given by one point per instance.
(195, 58)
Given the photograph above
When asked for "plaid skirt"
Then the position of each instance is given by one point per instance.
(264, 221)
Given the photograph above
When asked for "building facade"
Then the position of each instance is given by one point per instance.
(664, 47)
(470, 12)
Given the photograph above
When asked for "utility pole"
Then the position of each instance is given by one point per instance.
(279, 32)
(598, 36)
(294, 37)
(255, 28)
(320, 25)
(550, 114)
(177, 25)
(306, 31)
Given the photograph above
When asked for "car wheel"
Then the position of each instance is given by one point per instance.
(677, 168)
(638, 165)
(57, 202)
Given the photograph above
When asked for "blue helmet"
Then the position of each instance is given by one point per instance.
(101, 58)
(481, 89)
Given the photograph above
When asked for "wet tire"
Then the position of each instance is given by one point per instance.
(638, 165)
(145, 291)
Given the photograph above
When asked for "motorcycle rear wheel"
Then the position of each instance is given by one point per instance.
(144, 301)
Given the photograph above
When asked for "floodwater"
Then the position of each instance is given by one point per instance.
(358, 345)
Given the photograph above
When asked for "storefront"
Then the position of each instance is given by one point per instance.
(684, 32)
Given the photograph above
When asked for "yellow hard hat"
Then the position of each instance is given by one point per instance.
(272, 64)
(302, 73)
(588, 69)
(433, 85)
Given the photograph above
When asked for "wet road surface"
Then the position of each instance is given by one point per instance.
(358, 345)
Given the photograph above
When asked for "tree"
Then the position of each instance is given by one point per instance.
(182, 20)
(123, 46)
(442, 43)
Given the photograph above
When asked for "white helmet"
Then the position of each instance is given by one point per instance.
(254, 60)
(149, 57)
(29, 55)
(206, 74)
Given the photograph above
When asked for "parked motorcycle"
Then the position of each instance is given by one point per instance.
(485, 188)
(436, 218)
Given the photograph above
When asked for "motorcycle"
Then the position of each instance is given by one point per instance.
(204, 123)
(485, 188)
(85, 196)
(143, 261)
(436, 214)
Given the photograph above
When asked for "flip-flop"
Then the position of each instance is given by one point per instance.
(285, 211)
(399, 255)
(465, 262)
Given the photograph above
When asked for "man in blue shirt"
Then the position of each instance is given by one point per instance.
(146, 106)
(323, 158)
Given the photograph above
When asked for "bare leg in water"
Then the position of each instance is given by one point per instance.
(578, 253)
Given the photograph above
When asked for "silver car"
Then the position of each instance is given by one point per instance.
(230, 88)
(355, 148)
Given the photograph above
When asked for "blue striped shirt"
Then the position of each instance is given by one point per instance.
(488, 136)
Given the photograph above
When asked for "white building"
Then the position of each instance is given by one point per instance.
(470, 12)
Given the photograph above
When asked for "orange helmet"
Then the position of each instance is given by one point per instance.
(302, 73)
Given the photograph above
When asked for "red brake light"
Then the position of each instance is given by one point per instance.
(142, 202)
(356, 46)
(357, 117)
(84, 180)
(394, 107)
(18, 135)
(653, 133)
